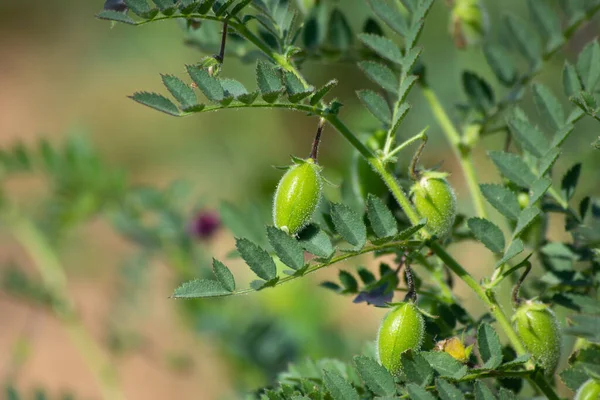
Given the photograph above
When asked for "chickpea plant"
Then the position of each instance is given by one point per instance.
(416, 226)
(429, 345)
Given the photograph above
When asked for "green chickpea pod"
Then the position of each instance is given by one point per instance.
(590, 390)
(539, 332)
(435, 200)
(297, 196)
(402, 328)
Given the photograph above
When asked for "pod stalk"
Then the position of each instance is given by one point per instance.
(414, 174)
(221, 56)
(314, 153)
(516, 299)
(411, 295)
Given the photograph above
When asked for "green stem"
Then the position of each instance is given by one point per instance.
(438, 276)
(503, 275)
(540, 381)
(378, 166)
(496, 374)
(489, 301)
(279, 59)
(420, 136)
(462, 152)
(562, 202)
(289, 106)
(55, 281)
(334, 260)
(403, 201)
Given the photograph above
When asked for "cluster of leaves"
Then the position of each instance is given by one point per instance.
(228, 93)
(210, 9)
(341, 224)
(533, 44)
(423, 374)
(531, 174)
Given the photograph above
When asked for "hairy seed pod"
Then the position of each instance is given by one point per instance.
(435, 200)
(590, 390)
(401, 329)
(297, 196)
(538, 329)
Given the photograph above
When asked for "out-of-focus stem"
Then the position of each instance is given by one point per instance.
(47, 263)
(461, 151)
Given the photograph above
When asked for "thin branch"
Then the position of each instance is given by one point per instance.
(460, 150)
(221, 56)
(516, 300)
(415, 160)
(491, 303)
(411, 295)
(334, 260)
(419, 136)
(46, 261)
(314, 153)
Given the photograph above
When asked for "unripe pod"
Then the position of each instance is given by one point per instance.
(435, 200)
(539, 332)
(590, 390)
(401, 329)
(297, 196)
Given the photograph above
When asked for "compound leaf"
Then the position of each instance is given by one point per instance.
(487, 233)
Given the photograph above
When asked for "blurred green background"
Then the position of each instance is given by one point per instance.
(64, 72)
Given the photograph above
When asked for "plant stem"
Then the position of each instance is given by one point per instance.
(462, 152)
(496, 374)
(562, 202)
(437, 275)
(55, 281)
(280, 59)
(420, 136)
(244, 32)
(541, 382)
(379, 167)
(490, 302)
(334, 260)
(314, 153)
(221, 56)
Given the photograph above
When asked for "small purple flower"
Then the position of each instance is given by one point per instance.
(205, 224)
